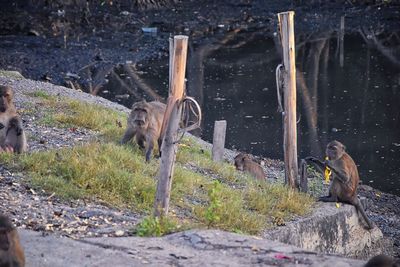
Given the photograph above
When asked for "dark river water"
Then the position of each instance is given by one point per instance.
(356, 102)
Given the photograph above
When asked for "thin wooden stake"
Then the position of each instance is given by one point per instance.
(303, 176)
(218, 140)
(341, 37)
(171, 124)
(286, 25)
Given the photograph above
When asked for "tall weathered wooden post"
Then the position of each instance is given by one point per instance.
(171, 124)
(341, 40)
(218, 140)
(286, 25)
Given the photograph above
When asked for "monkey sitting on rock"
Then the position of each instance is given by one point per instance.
(12, 135)
(244, 163)
(345, 177)
(11, 252)
(144, 123)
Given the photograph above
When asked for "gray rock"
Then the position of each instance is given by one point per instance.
(181, 249)
(331, 230)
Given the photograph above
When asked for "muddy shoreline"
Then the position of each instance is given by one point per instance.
(60, 43)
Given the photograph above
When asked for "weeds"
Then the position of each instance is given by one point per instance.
(211, 213)
(64, 112)
(92, 117)
(115, 174)
(316, 185)
(11, 74)
(42, 94)
(154, 226)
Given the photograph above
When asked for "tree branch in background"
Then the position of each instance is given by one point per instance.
(132, 72)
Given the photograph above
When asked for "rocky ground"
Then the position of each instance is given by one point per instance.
(384, 210)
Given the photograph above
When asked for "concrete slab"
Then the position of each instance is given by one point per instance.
(190, 248)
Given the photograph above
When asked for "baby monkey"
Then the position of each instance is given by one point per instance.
(12, 136)
(15, 135)
(345, 177)
(11, 253)
(244, 163)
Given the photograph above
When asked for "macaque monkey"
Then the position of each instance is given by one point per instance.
(382, 261)
(15, 135)
(144, 123)
(11, 253)
(12, 136)
(244, 163)
(345, 177)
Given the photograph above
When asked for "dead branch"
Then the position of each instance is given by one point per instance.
(132, 72)
(124, 85)
(370, 38)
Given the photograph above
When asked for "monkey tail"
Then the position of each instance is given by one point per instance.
(359, 208)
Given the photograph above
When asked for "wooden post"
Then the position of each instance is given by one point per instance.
(286, 25)
(171, 62)
(303, 176)
(171, 97)
(218, 140)
(171, 125)
(341, 38)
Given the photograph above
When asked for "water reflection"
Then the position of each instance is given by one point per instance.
(357, 104)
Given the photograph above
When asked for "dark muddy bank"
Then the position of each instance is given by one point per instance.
(70, 40)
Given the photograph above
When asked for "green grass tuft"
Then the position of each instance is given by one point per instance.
(153, 226)
(226, 210)
(67, 113)
(11, 74)
(43, 95)
(92, 117)
(113, 173)
(191, 153)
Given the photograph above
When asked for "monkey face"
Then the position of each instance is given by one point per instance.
(335, 150)
(4, 242)
(15, 124)
(5, 98)
(140, 114)
(239, 161)
(5, 227)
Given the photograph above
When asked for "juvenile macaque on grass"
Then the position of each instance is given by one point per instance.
(244, 163)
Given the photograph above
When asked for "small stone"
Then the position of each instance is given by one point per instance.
(119, 233)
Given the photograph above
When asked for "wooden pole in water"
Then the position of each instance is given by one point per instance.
(286, 25)
(171, 125)
(218, 140)
(341, 37)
